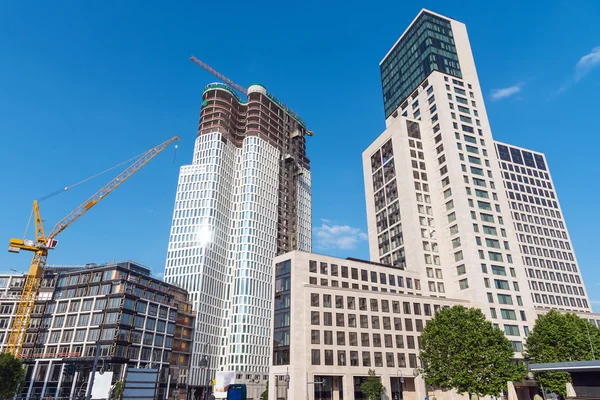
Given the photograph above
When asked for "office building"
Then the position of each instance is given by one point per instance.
(245, 198)
(435, 189)
(335, 319)
(117, 309)
(553, 275)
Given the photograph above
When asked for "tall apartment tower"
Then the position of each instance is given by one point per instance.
(436, 198)
(245, 198)
(551, 268)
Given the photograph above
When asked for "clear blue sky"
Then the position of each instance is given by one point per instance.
(85, 85)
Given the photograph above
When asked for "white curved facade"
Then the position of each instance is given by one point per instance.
(223, 240)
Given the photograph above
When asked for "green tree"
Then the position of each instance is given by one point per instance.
(372, 387)
(12, 375)
(558, 337)
(117, 391)
(462, 350)
(265, 394)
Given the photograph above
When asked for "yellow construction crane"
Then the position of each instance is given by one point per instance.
(44, 242)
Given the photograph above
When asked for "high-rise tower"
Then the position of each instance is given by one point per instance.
(245, 198)
(436, 198)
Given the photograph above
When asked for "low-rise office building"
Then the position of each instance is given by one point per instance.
(334, 319)
(117, 309)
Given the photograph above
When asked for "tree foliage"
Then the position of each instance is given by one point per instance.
(372, 387)
(117, 391)
(12, 374)
(560, 337)
(265, 394)
(462, 350)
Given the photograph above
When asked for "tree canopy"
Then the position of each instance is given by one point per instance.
(462, 350)
(12, 374)
(372, 387)
(558, 337)
(265, 394)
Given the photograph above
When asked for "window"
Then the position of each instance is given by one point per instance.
(352, 320)
(484, 205)
(328, 357)
(490, 230)
(374, 305)
(315, 337)
(495, 256)
(501, 284)
(461, 270)
(458, 256)
(511, 330)
(487, 217)
(492, 243)
(341, 358)
(455, 242)
(517, 347)
(315, 357)
(314, 317)
(504, 299)
(364, 321)
(464, 284)
(498, 270)
(314, 299)
(366, 356)
(472, 149)
(351, 303)
(508, 314)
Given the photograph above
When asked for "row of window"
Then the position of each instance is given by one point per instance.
(363, 321)
(389, 340)
(367, 361)
(364, 304)
(365, 275)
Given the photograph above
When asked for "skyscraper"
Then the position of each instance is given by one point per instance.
(436, 196)
(245, 198)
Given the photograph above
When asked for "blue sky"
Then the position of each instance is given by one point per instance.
(85, 85)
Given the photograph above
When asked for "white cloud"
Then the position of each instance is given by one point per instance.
(587, 63)
(342, 237)
(498, 94)
(595, 302)
(582, 68)
(159, 275)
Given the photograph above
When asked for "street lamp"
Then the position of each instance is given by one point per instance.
(205, 365)
(400, 382)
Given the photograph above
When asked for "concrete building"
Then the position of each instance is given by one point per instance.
(334, 319)
(115, 308)
(245, 198)
(435, 188)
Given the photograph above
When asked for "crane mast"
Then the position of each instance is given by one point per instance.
(44, 243)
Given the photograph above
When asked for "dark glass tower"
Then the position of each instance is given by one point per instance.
(428, 45)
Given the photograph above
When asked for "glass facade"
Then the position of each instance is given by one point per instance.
(281, 327)
(426, 47)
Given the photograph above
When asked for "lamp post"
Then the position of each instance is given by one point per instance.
(205, 365)
(399, 382)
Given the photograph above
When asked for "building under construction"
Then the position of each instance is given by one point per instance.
(245, 198)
